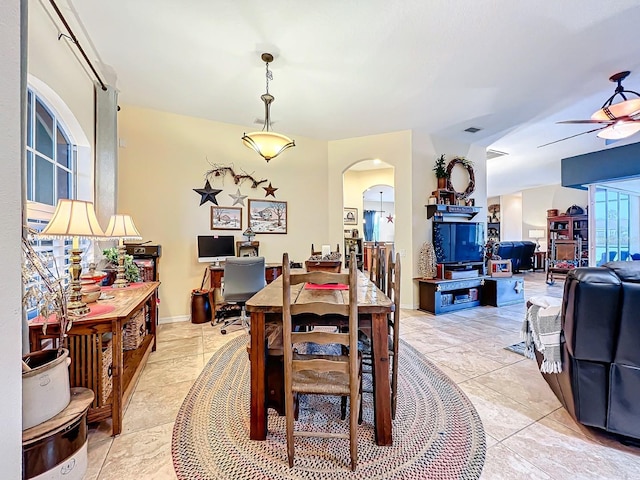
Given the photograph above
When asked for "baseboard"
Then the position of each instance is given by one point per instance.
(179, 318)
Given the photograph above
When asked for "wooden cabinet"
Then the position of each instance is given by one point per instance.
(353, 245)
(569, 227)
(88, 342)
(443, 296)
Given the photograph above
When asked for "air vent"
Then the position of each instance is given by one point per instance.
(472, 129)
(495, 154)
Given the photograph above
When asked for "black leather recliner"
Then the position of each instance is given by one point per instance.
(600, 380)
(519, 252)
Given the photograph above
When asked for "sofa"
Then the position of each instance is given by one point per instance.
(519, 252)
(599, 384)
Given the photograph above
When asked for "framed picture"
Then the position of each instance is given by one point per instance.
(268, 216)
(350, 216)
(226, 218)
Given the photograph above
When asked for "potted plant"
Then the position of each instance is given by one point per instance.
(440, 170)
(131, 270)
(45, 373)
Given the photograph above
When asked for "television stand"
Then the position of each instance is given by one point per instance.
(444, 296)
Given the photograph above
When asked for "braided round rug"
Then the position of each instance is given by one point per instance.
(437, 433)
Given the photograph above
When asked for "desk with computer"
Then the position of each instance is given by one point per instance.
(215, 250)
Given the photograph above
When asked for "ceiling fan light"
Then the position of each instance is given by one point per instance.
(620, 130)
(268, 144)
(627, 108)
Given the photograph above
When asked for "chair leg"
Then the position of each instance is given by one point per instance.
(353, 428)
(343, 407)
(289, 421)
(394, 386)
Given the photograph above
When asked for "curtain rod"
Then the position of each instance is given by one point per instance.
(75, 41)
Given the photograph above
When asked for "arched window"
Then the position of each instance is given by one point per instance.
(52, 168)
(50, 155)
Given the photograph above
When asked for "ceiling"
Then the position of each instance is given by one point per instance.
(351, 68)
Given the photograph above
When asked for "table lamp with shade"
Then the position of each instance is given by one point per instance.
(536, 234)
(74, 219)
(122, 227)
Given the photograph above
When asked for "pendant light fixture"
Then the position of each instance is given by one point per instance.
(267, 143)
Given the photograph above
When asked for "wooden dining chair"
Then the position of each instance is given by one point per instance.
(323, 374)
(393, 292)
(374, 266)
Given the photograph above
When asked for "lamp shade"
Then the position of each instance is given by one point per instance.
(627, 108)
(536, 234)
(73, 218)
(122, 226)
(619, 130)
(268, 144)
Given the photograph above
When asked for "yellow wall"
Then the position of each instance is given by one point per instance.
(166, 155)
(394, 149)
(355, 184)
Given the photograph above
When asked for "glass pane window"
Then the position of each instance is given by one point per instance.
(44, 130)
(44, 181)
(63, 149)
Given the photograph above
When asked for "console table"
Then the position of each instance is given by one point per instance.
(87, 346)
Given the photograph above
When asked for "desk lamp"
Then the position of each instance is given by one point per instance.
(122, 227)
(74, 219)
(536, 235)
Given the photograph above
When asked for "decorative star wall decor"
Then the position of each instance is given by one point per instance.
(270, 191)
(207, 194)
(238, 198)
(390, 218)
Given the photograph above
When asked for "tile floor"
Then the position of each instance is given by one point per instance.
(529, 435)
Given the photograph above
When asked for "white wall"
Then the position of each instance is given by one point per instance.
(10, 219)
(536, 202)
(165, 156)
(511, 217)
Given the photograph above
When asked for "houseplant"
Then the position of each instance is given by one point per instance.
(45, 373)
(131, 271)
(440, 170)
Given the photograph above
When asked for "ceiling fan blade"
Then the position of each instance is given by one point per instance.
(587, 121)
(572, 136)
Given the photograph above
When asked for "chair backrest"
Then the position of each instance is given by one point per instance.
(347, 309)
(375, 264)
(393, 282)
(243, 278)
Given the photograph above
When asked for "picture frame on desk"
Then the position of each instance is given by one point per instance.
(226, 218)
(268, 216)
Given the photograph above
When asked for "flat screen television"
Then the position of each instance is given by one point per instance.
(215, 248)
(458, 242)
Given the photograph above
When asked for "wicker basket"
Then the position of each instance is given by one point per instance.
(134, 331)
(107, 373)
(552, 212)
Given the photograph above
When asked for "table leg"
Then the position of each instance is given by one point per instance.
(381, 386)
(258, 381)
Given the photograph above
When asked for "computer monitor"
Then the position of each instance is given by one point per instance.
(215, 248)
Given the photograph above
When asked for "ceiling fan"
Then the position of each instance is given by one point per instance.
(618, 120)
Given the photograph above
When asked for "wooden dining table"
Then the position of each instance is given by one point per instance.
(373, 307)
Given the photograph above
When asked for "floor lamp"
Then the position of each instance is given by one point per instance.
(122, 227)
(74, 219)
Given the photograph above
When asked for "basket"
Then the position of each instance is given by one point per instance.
(106, 373)
(134, 331)
(552, 213)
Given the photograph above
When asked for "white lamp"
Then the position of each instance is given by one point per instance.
(268, 144)
(536, 234)
(122, 227)
(74, 219)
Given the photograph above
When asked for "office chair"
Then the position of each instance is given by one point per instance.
(243, 278)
